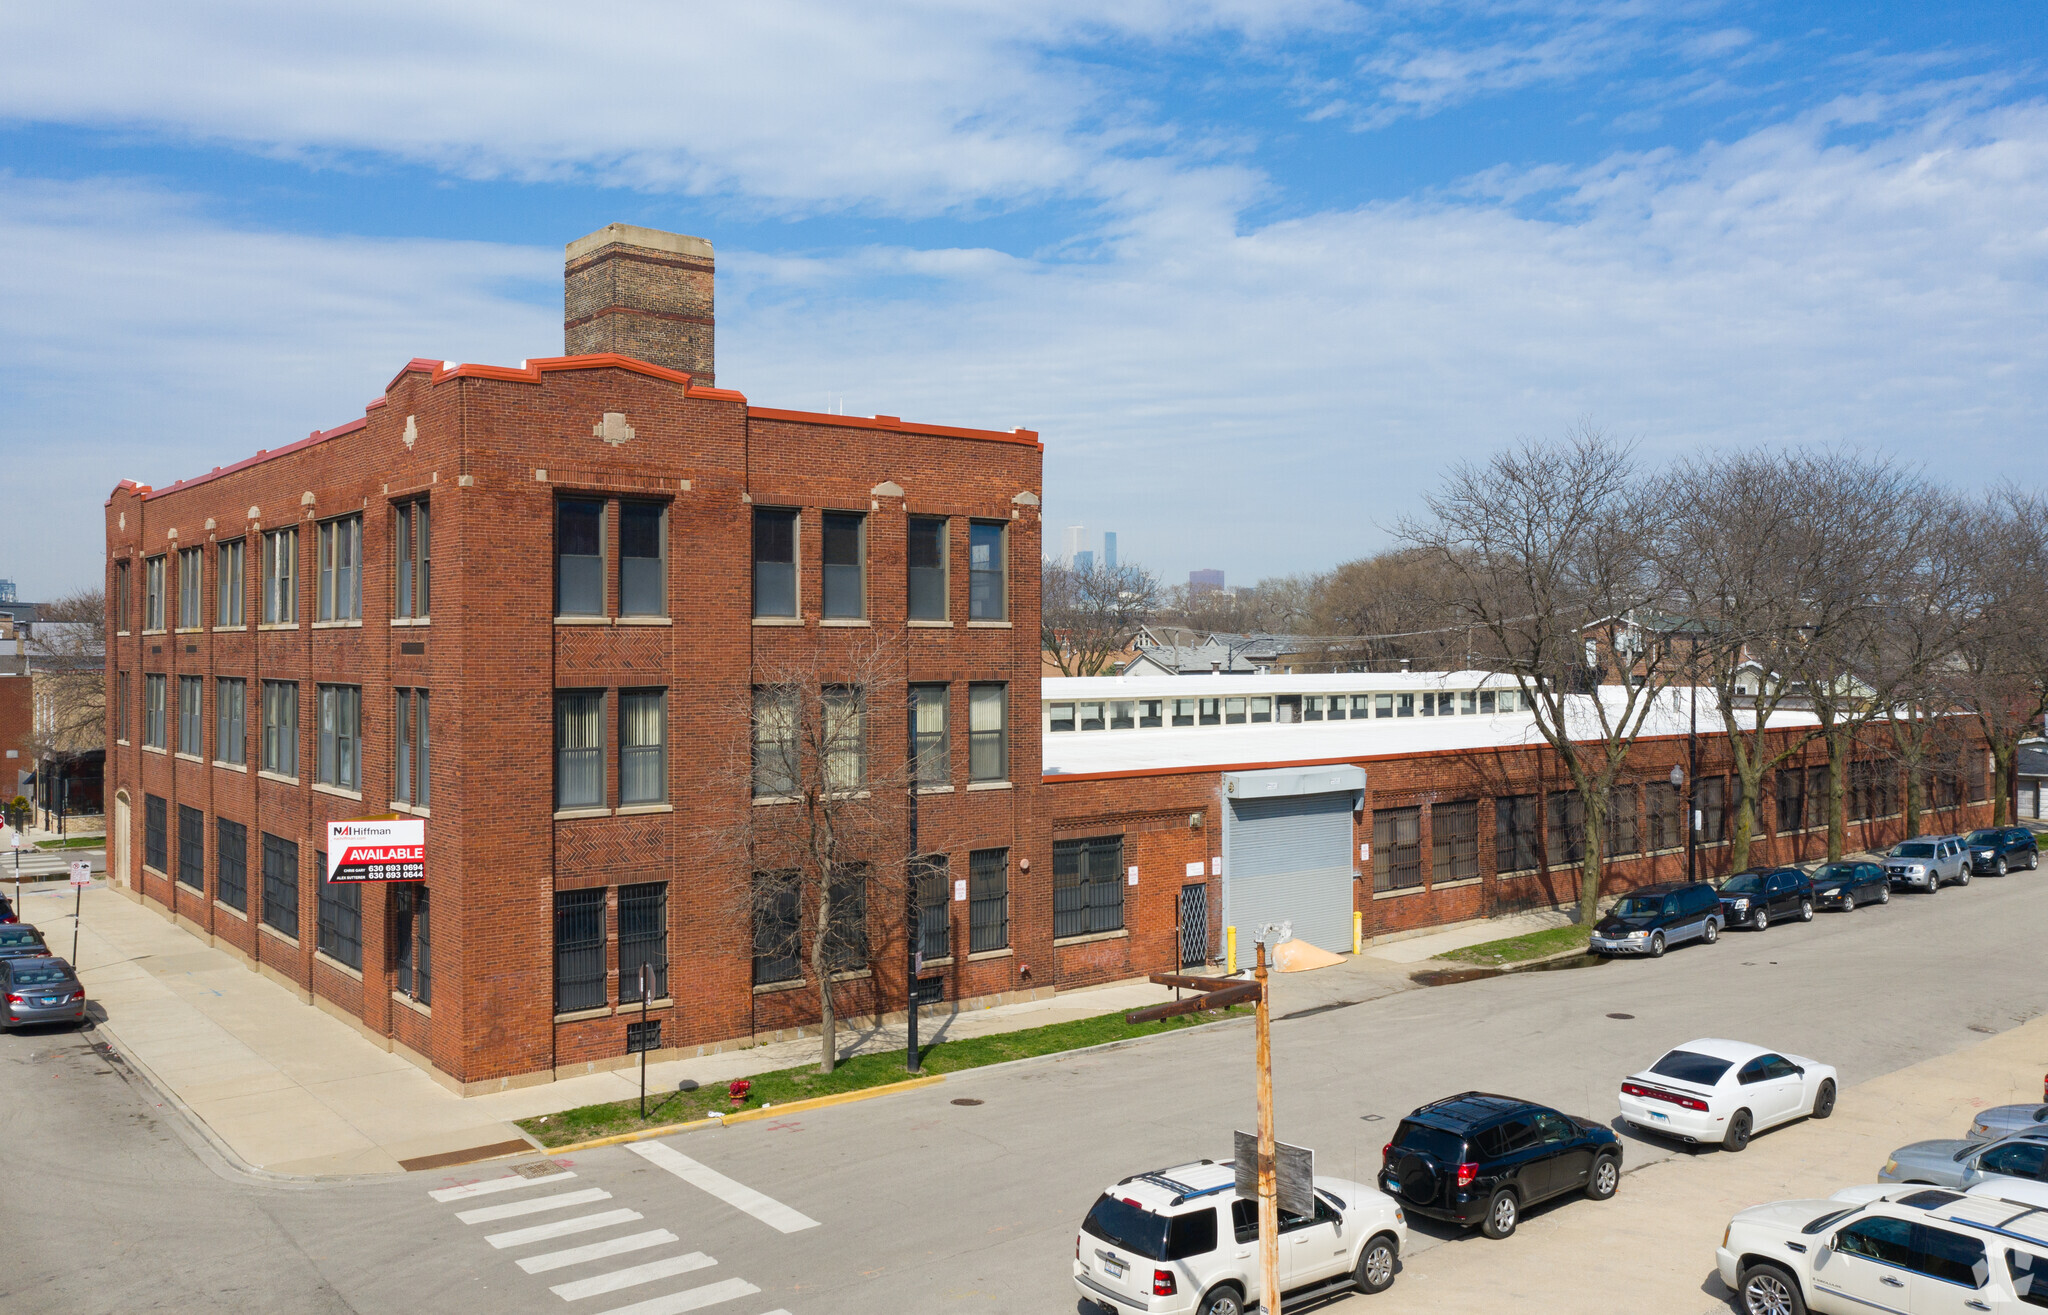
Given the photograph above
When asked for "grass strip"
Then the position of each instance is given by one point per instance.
(855, 1074)
(1520, 949)
(73, 842)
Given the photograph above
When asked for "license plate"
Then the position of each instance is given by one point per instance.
(1113, 1268)
(53, 999)
(1660, 1116)
(1393, 1186)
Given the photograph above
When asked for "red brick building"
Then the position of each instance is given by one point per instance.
(526, 604)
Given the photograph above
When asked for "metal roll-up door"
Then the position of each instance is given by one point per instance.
(1288, 859)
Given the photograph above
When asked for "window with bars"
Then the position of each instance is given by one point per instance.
(928, 727)
(229, 585)
(926, 551)
(153, 593)
(341, 917)
(154, 731)
(643, 938)
(1515, 833)
(280, 577)
(281, 884)
(988, 900)
(413, 761)
(1396, 848)
(191, 847)
(1623, 838)
(1565, 833)
(1453, 840)
(1712, 803)
(189, 616)
(412, 943)
(579, 950)
(339, 596)
(414, 560)
(987, 582)
(1664, 809)
(156, 841)
(643, 554)
(844, 550)
(579, 557)
(579, 749)
(231, 864)
(1087, 886)
(774, 562)
(231, 720)
(930, 877)
(280, 727)
(191, 712)
(988, 732)
(643, 1034)
(846, 922)
(778, 913)
(339, 762)
(1789, 785)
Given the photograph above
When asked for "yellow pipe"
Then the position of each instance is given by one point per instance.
(1357, 933)
(1230, 949)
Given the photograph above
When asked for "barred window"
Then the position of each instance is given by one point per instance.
(281, 884)
(846, 923)
(1664, 807)
(579, 950)
(412, 947)
(231, 864)
(413, 773)
(1453, 841)
(1622, 837)
(778, 916)
(643, 938)
(1087, 886)
(929, 879)
(1712, 803)
(1789, 784)
(341, 917)
(1566, 838)
(1396, 848)
(191, 847)
(156, 840)
(988, 893)
(1515, 833)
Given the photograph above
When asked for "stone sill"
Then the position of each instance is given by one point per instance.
(1396, 894)
(412, 620)
(578, 1015)
(232, 767)
(1118, 934)
(321, 956)
(583, 620)
(1453, 885)
(854, 976)
(229, 630)
(778, 620)
(189, 630)
(627, 1008)
(410, 809)
(343, 624)
(151, 748)
(337, 791)
(273, 776)
(190, 758)
(229, 908)
(642, 810)
(569, 814)
(147, 634)
(988, 785)
(929, 625)
(1003, 953)
(771, 988)
(761, 799)
(946, 962)
(279, 625)
(425, 1011)
(990, 625)
(845, 622)
(935, 789)
(646, 621)
(292, 941)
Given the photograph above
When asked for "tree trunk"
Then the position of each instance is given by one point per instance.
(1838, 772)
(2005, 757)
(1745, 828)
(1589, 863)
(821, 968)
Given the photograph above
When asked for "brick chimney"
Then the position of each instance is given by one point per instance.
(642, 293)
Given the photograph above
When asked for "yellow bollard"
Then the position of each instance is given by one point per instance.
(1357, 933)
(1230, 949)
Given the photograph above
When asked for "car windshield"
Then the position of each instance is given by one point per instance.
(1122, 1224)
(1443, 1147)
(1686, 1066)
(1986, 837)
(19, 936)
(1836, 872)
(38, 976)
(1912, 851)
(1640, 906)
(1744, 883)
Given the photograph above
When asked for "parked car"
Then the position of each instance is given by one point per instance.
(1950, 1163)
(38, 990)
(19, 940)
(7, 913)
(1178, 1240)
(1927, 863)
(1925, 1252)
(1712, 1090)
(1845, 885)
(1754, 897)
(2000, 1120)
(1481, 1159)
(1650, 920)
(2001, 849)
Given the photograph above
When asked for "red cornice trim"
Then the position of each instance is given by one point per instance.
(1027, 437)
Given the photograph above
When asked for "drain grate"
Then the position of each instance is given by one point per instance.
(538, 1169)
(965, 1100)
(1621, 1015)
(1987, 1031)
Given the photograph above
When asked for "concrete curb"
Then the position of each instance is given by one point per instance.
(748, 1116)
(1515, 966)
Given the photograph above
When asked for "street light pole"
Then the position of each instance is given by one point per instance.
(1692, 831)
(914, 920)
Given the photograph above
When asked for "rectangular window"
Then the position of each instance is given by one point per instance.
(1358, 706)
(933, 746)
(188, 589)
(579, 950)
(1148, 713)
(1184, 712)
(412, 943)
(579, 749)
(1123, 714)
(341, 722)
(191, 847)
(1404, 705)
(775, 747)
(231, 720)
(1485, 702)
(1383, 705)
(774, 562)
(191, 697)
(846, 922)
(1060, 717)
(643, 746)
(1468, 703)
(280, 727)
(281, 884)
(1233, 712)
(988, 733)
(156, 840)
(643, 939)
(1087, 886)
(1664, 806)
(154, 731)
(1396, 848)
(1336, 707)
(412, 760)
(643, 557)
(1566, 838)
(121, 706)
(122, 621)
(341, 917)
(153, 593)
(778, 912)
(986, 583)
(926, 551)
(1092, 717)
(340, 592)
(1454, 840)
(1312, 707)
(1514, 833)
(1262, 709)
(1212, 712)
(845, 729)
(414, 560)
(1622, 834)
(988, 894)
(1712, 804)
(280, 582)
(930, 879)
(1789, 784)
(229, 587)
(845, 561)
(1429, 705)
(579, 557)
(231, 864)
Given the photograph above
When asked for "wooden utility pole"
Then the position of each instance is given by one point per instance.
(1269, 1187)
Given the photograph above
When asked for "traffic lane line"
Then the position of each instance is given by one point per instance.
(737, 1195)
(695, 1299)
(533, 1206)
(491, 1185)
(562, 1228)
(615, 1246)
(632, 1276)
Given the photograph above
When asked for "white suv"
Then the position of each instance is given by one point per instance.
(1927, 862)
(1918, 1251)
(1180, 1239)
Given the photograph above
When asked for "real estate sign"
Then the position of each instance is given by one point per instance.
(377, 849)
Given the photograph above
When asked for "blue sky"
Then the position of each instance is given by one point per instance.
(1257, 271)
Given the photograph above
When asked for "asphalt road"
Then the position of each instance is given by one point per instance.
(914, 1203)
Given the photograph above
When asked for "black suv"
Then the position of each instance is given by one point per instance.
(1481, 1159)
(1999, 849)
(1755, 897)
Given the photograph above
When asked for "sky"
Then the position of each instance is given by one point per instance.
(1259, 271)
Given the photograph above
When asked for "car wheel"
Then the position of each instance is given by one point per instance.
(1375, 1271)
(1657, 945)
(1605, 1178)
(1963, 877)
(1224, 1300)
(2033, 859)
(1806, 910)
(1884, 896)
(1503, 1212)
(1737, 1135)
(1824, 1099)
(1768, 1290)
(1848, 902)
(1712, 932)
(1760, 920)
(1999, 869)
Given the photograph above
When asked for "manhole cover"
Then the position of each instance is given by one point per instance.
(1621, 1015)
(1372, 1118)
(965, 1100)
(538, 1169)
(1979, 1027)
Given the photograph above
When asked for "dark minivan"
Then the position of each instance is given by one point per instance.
(1481, 1159)
(1649, 920)
(1758, 896)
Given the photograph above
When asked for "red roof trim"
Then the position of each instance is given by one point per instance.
(892, 423)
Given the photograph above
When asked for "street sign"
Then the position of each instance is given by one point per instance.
(81, 873)
(377, 849)
(1294, 1170)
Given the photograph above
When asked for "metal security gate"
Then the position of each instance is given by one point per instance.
(1194, 924)
(1287, 852)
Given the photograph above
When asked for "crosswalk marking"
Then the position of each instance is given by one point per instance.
(561, 1228)
(762, 1207)
(694, 1299)
(597, 1251)
(490, 1185)
(632, 1276)
(533, 1205)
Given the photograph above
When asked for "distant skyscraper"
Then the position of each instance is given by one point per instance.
(1084, 560)
(1074, 533)
(1109, 549)
(1201, 582)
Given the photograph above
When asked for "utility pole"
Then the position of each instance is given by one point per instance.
(1692, 767)
(1269, 1187)
(913, 919)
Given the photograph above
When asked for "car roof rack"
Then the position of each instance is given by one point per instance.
(1182, 1191)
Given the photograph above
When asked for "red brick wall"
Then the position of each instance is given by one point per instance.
(17, 730)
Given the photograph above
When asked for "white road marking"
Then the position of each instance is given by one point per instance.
(764, 1208)
(632, 1277)
(694, 1299)
(561, 1228)
(491, 1185)
(533, 1205)
(597, 1251)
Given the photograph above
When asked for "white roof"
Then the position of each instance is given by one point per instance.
(1065, 688)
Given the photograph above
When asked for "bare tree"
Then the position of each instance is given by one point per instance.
(1547, 549)
(1278, 605)
(1396, 604)
(2001, 674)
(66, 651)
(1087, 617)
(821, 856)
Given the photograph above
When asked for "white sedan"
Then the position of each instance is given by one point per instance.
(1725, 1091)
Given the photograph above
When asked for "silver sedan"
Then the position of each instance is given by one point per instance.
(2001, 1120)
(1961, 1164)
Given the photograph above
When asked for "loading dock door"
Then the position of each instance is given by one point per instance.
(1288, 853)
